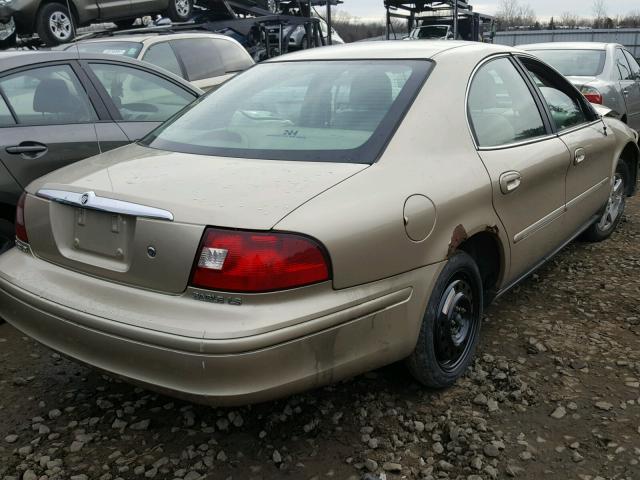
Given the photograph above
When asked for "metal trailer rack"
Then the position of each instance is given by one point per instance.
(423, 12)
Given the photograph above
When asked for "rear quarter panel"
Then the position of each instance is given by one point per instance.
(360, 221)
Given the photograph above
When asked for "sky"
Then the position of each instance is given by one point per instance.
(544, 9)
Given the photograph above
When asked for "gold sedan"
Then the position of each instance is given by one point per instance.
(320, 215)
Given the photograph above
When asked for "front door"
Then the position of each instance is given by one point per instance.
(52, 121)
(527, 164)
(114, 9)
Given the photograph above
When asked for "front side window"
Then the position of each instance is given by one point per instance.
(574, 62)
(335, 111)
(47, 96)
(501, 107)
(200, 57)
(568, 108)
(162, 55)
(141, 96)
(623, 67)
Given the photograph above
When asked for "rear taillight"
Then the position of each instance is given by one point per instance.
(239, 261)
(21, 229)
(592, 94)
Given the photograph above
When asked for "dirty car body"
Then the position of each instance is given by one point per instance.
(328, 220)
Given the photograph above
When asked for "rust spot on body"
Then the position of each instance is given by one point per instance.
(458, 236)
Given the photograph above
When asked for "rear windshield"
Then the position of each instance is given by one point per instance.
(432, 31)
(334, 111)
(127, 49)
(574, 63)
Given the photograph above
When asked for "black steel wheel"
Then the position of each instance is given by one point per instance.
(451, 325)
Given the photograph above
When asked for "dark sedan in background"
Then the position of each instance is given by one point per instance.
(60, 107)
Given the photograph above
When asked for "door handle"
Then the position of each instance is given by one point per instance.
(625, 92)
(28, 149)
(510, 181)
(579, 156)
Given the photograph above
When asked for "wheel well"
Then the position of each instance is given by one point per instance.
(630, 156)
(71, 4)
(486, 250)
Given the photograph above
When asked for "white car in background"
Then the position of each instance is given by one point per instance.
(298, 39)
(205, 59)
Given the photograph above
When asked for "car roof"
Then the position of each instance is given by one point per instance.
(153, 37)
(392, 49)
(20, 58)
(567, 46)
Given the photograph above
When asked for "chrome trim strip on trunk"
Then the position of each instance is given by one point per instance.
(92, 201)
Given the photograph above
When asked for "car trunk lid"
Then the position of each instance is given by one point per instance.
(136, 215)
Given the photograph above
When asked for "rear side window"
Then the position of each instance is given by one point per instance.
(200, 57)
(141, 96)
(635, 68)
(501, 106)
(162, 55)
(333, 111)
(47, 96)
(6, 119)
(568, 108)
(623, 66)
(234, 57)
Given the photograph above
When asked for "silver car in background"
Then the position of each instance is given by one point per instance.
(298, 38)
(605, 73)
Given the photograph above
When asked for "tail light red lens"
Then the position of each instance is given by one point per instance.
(21, 229)
(592, 94)
(254, 262)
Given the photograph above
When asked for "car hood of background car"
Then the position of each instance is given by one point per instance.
(199, 189)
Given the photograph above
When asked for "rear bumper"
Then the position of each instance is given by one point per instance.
(365, 327)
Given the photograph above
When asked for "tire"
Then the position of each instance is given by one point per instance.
(54, 24)
(179, 10)
(602, 228)
(447, 343)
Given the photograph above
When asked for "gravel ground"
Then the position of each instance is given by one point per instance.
(554, 393)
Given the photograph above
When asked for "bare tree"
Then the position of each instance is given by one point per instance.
(512, 14)
(599, 9)
(569, 19)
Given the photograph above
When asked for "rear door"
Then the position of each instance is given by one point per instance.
(51, 121)
(583, 132)
(526, 163)
(629, 88)
(138, 99)
(633, 92)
